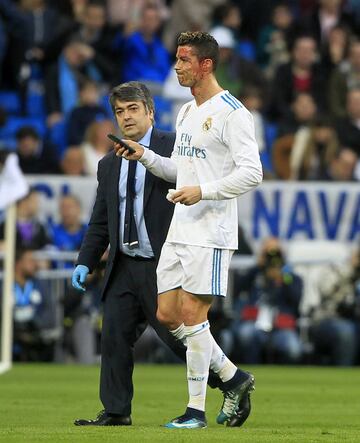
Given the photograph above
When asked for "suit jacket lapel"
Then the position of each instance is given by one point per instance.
(155, 145)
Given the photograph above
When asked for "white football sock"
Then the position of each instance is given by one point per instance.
(220, 364)
(179, 333)
(198, 354)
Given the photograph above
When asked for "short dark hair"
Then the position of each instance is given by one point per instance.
(132, 91)
(302, 36)
(205, 45)
(274, 258)
(96, 3)
(21, 251)
(84, 82)
(27, 131)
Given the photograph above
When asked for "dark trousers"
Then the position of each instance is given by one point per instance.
(130, 302)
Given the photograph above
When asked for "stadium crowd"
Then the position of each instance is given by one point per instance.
(294, 64)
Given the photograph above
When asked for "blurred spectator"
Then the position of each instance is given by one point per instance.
(348, 128)
(96, 144)
(229, 16)
(234, 72)
(274, 41)
(34, 312)
(342, 167)
(94, 32)
(73, 161)
(14, 44)
(35, 29)
(43, 30)
(312, 150)
(268, 309)
(334, 321)
(188, 15)
(301, 74)
(336, 49)
(301, 113)
(307, 153)
(127, 13)
(44, 25)
(147, 60)
(327, 14)
(30, 232)
(63, 78)
(344, 78)
(87, 111)
(67, 235)
(35, 155)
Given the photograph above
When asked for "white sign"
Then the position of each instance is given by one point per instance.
(298, 210)
(288, 210)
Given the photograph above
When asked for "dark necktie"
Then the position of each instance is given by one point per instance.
(130, 232)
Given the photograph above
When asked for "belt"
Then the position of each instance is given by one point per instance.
(138, 257)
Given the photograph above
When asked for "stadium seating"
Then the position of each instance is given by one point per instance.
(35, 104)
(58, 136)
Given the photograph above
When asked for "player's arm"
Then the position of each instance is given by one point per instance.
(163, 167)
(239, 136)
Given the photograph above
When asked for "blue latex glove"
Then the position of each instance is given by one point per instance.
(79, 276)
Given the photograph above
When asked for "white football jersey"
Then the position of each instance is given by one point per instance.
(215, 148)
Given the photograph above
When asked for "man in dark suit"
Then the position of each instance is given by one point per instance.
(129, 287)
(131, 213)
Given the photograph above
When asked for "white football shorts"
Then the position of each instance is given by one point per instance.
(196, 269)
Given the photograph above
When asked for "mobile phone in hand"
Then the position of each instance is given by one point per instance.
(115, 139)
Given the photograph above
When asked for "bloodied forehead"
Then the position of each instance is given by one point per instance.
(186, 52)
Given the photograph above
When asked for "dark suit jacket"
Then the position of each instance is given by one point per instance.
(104, 222)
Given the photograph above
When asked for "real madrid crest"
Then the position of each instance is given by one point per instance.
(207, 124)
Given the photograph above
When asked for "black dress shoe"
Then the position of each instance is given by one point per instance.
(242, 413)
(103, 419)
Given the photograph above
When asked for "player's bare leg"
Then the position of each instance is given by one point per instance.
(194, 310)
(169, 313)
(169, 308)
(203, 352)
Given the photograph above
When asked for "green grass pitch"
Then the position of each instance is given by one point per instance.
(290, 404)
